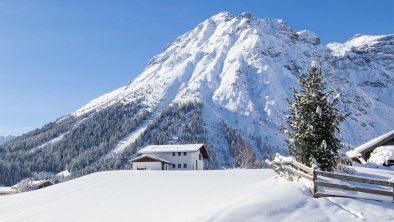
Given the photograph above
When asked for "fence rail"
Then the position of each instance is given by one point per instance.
(346, 177)
(291, 167)
(355, 178)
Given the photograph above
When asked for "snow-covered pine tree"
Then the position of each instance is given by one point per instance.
(314, 122)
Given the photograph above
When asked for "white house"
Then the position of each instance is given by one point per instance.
(379, 150)
(171, 157)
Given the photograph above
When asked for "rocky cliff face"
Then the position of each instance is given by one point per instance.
(236, 73)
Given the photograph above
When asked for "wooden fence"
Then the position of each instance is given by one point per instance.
(291, 167)
(346, 178)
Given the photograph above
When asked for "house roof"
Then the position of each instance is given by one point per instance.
(371, 145)
(175, 148)
(40, 182)
(137, 159)
(7, 190)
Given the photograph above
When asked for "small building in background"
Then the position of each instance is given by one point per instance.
(379, 150)
(24, 186)
(7, 190)
(29, 185)
(171, 157)
(38, 184)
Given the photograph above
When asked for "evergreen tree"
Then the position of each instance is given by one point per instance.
(314, 122)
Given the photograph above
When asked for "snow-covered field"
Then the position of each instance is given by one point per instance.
(227, 195)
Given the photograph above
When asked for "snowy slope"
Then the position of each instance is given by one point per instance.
(228, 195)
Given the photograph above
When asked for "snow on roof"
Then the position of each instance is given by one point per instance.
(64, 173)
(7, 190)
(152, 157)
(174, 148)
(369, 146)
(38, 183)
(35, 184)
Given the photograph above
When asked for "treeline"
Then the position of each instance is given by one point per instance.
(83, 144)
(39, 136)
(181, 123)
(242, 151)
(84, 140)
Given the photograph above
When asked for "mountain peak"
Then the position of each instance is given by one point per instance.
(222, 16)
(360, 40)
(383, 44)
(227, 15)
(309, 37)
(247, 15)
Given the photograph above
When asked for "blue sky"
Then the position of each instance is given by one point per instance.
(55, 56)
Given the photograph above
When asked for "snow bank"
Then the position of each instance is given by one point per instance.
(227, 195)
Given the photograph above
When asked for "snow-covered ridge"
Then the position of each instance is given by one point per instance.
(359, 42)
(100, 102)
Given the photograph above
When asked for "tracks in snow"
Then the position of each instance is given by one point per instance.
(133, 136)
(352, 212)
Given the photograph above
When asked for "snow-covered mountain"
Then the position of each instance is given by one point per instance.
(224, 83)
(4, 139)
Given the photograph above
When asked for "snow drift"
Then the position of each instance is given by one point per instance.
(227, 195)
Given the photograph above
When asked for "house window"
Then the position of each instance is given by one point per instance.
(179, 165)
(199, 156)
(179, 153)
(173, 154)
(173, 166)
(184, 165)
(184, 153)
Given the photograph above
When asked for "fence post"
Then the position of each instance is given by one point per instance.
(314, 182)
